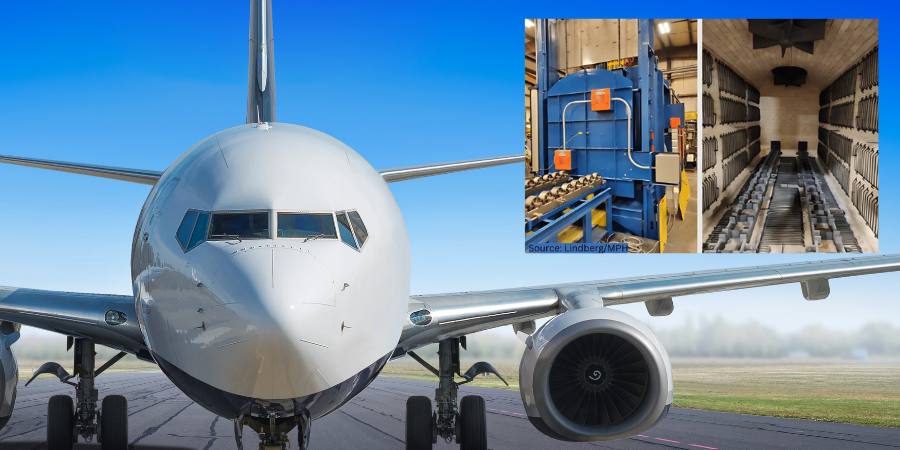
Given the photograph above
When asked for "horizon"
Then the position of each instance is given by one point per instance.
(74, 233)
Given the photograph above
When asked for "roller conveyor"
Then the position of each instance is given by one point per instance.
(785, 206)
(569, 211)
(784, 221)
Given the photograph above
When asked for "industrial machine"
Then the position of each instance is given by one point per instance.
(600, 148)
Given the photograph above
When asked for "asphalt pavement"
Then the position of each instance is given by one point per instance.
(161, 417)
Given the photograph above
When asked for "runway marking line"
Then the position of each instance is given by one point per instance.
(507, 413)
(672, 441)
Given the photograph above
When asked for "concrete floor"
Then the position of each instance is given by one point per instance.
(683, 234)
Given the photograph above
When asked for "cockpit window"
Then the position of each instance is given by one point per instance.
(199, 234)
(186, 228)
(192, 231)
(199, 226)
(243, 225)
(346, 231)
(296, 225)
(359, 228)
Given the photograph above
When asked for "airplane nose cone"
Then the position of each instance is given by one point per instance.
(287, 311)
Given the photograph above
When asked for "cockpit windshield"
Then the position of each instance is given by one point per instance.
(305, 225)
(241, 225)
(198, 227)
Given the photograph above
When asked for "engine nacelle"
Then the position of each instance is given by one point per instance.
(9, 371)
(595, 374)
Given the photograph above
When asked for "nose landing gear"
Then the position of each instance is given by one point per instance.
(66, 420)
(273, 430)
(464, 423)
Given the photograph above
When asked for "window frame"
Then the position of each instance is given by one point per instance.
(187, 247)
(350, 227)
(204, 233)
(359, 246)
(353, 227)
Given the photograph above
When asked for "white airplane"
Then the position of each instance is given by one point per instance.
(271, 268)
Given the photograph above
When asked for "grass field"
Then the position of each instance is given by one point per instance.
(128, 363)
(833, 391)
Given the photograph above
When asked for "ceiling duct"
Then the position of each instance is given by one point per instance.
(789, 76)
(798, 33)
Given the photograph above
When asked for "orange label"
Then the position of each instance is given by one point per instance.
(600, 99)
(562, 160)
(674, 122)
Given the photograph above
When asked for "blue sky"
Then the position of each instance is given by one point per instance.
(134, 84)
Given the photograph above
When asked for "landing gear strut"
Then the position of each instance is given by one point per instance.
(66, 420)
(273, 430)
(464, 422)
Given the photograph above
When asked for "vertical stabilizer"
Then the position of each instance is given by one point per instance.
(261, 68)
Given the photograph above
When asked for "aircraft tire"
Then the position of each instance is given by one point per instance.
(419, 423)
(114, 423)
(61, 423)
(472, 423)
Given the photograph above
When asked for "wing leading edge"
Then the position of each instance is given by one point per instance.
(443, 316)
(108, 320)
(409, 173)
(149, 177)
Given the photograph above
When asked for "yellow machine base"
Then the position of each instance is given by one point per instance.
(574, 233)
(684, 193)
(663, 224)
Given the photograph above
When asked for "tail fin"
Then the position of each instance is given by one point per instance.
(261, 71)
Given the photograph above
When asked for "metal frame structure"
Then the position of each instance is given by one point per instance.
(600, 146)
(546, 227)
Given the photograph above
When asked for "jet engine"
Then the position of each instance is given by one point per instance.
(594, 374)
(9, 371)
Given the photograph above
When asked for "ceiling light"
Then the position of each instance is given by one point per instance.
(664, 27)
(529, 23)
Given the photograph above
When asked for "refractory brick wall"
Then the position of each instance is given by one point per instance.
(848, 135)
(789, 115)
(731, 128)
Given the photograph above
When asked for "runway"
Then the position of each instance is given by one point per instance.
(161, 417)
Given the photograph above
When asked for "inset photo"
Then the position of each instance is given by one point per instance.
(790, 136)
(611, 131)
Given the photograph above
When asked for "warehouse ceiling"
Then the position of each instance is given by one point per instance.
(587, 42)
(683, 34)
(846, 41)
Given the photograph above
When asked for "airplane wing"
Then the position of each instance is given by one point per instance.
(151, 177)
(409, 173)
(116, 173)
(108, 320)
(437, 317)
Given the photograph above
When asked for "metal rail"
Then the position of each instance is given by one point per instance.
(546, 227)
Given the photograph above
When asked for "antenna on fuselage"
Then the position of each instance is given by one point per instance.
(261, 71)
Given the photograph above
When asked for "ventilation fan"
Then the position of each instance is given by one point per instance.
(798, 33)
(789, 76)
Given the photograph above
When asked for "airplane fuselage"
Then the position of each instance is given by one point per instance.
(245, 308)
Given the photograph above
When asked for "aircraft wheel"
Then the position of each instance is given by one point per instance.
(114, 423)
(419, 423)
(472, 423)
(12, 407)
(60, 423)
